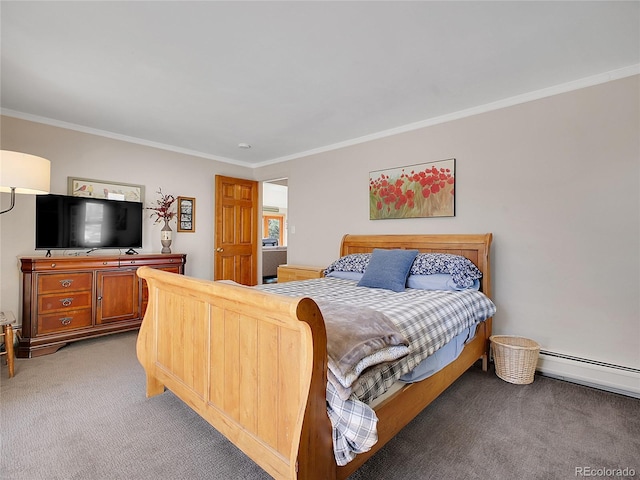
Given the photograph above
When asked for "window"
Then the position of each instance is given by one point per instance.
(273, 227)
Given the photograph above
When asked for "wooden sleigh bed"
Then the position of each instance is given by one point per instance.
(254, 364)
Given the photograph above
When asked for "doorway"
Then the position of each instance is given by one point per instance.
(274, 227)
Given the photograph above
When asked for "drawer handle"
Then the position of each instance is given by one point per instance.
(66, 283)
(66, 301)
(66, 320)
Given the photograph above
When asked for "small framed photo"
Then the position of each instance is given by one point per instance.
(186, 214)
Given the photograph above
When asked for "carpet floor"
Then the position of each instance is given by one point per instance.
(81, 413)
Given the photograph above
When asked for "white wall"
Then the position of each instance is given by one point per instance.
(274, 195)
(89, 156)
(557, 182)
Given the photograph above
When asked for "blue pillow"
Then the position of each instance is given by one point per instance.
(345, 275)
(437, 281)
(388, 269)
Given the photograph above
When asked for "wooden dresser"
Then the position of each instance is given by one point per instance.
(65, 299)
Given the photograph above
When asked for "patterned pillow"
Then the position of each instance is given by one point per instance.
(462, 270)
(355, 262)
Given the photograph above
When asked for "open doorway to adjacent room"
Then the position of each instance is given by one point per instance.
(274, 227)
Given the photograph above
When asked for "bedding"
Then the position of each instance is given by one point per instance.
(358, 338)
(440, 358)
(388, 269)
(354, 262)
(427, 319)
(431, 365)
(434, 281)
(438, 281)
(461, 269)
(463, 272)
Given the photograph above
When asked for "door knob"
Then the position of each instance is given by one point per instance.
(219, 249)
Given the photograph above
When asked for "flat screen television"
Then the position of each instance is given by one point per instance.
(65, 222)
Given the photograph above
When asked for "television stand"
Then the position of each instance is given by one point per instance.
(48, 253)
(65, 299)
(131, 251)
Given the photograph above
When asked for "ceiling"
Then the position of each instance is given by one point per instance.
(291, 78)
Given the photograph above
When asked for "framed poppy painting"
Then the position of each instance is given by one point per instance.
(414, 191)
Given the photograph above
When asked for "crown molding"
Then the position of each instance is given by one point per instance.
(504, 103)
(497, 105)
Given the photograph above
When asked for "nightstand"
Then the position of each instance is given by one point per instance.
(290, 273)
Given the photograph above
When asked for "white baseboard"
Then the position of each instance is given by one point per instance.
(615, 379)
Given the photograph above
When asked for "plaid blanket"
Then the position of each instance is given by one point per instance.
(427, 319)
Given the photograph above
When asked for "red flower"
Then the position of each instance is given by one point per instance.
(163, 209)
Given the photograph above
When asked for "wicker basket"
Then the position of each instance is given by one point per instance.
(515, 358)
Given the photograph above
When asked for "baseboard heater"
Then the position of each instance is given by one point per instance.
(606, 376)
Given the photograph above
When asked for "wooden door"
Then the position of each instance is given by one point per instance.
(116, 296)
(236, 237)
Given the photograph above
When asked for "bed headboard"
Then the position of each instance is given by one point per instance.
(475, 247)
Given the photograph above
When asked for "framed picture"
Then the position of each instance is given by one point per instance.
(186, 214)
(87, 187)
(423, 190)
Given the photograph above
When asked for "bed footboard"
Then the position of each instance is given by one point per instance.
(245, 361)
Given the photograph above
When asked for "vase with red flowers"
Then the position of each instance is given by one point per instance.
(162, 212)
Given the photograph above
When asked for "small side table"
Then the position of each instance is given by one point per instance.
(6, 320)
(291, 273)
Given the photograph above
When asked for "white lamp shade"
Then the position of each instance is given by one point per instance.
(27, 173)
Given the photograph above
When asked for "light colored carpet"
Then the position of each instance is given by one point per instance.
(81, 413)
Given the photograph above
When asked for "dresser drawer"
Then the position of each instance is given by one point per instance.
(63, 301)
(64, 321)
(63, 282)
